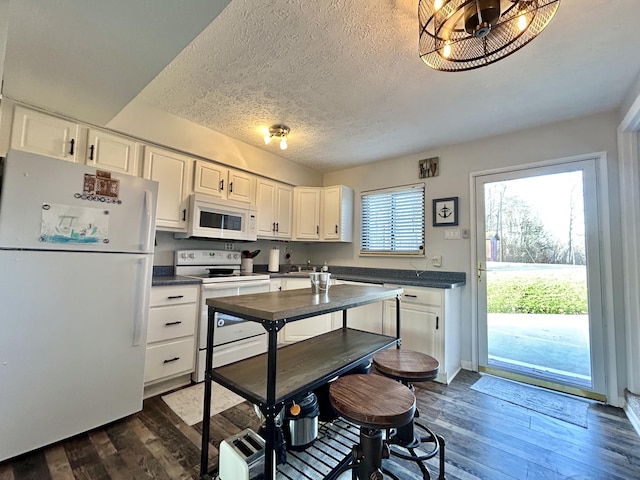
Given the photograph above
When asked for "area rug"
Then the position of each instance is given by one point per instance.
(188, 403)
(548, 403)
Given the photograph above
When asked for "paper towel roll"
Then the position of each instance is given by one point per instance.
(274, 260)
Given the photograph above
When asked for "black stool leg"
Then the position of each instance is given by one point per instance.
(441, 442)
(370, 454)
(423, 469)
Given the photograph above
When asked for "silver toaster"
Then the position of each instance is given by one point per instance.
(241, 456)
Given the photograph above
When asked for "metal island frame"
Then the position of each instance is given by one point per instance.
(270, 379)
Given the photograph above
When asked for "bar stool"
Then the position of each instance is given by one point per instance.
(408, 366)
(374, 403)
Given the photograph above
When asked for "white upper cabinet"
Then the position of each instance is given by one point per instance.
(275, 209)
(218, 181)
(173, 173)
(55, 137)
(43, 134)
(323, 213)
(337, 214)
(112, 152)
(307, 213)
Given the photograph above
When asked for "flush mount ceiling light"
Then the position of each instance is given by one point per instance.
(279, 131)
(457, 35)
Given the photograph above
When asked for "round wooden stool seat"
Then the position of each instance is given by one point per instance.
(406, 365)
(373, 401)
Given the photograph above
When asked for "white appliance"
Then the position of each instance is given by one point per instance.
(76, 256)
(242, 456)
(212, 217)
(233, 338)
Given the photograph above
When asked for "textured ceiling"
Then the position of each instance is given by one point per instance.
(345, 76)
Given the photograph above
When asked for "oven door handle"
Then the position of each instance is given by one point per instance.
(257, 283)
(241, 285)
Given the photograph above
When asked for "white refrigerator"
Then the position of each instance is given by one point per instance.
(76, 258)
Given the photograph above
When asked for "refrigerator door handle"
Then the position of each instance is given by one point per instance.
(140, 318)
(148, 203)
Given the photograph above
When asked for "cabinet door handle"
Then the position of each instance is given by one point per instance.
(172, 360)
(221, 185)
(230, 187)
(437, 323)
(410, 296)
(175, 297)
(168, 324)
(317, 229)
(336, 228)
(184, 215)
(273, 228)
(277, 227)
(73, 144)
(91, 148)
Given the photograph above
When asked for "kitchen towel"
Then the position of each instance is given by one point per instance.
(274, 260)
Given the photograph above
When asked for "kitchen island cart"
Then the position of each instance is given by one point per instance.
(268, 380)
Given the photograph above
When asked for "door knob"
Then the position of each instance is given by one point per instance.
(480, 270)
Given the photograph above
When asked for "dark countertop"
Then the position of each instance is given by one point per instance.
(164, 275)
(431, 279)
(164, 280)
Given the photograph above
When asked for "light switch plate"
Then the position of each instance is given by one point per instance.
(452, 234)
(436, 260)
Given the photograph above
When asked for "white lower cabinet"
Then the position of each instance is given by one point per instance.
(367, 317)
(171, 338)
(309, 327)
(429, 323)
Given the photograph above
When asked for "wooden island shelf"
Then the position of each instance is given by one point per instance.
(302, 366)
(268, 380)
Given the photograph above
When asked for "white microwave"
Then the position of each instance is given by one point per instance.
(211, 217)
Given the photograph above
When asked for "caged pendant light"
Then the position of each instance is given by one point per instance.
(458, 35)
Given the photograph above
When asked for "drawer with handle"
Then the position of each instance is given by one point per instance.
(173, 295)
(173, 321)
(421, 295)
(168, 359)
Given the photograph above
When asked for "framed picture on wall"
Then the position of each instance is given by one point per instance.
(445, 212)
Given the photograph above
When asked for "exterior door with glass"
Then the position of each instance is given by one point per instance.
(538, 277)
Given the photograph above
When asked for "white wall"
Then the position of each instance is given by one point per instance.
(586, 135)
(166, 245)
(143, 121)
(629, 166)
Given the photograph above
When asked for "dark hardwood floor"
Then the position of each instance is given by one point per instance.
(487, 438)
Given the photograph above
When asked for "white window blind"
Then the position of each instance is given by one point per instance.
(392, 221)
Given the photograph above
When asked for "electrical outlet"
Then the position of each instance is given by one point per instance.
(228, 246)
(436, 260)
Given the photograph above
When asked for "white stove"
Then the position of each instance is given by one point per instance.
(213, 266)
(233, 338)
